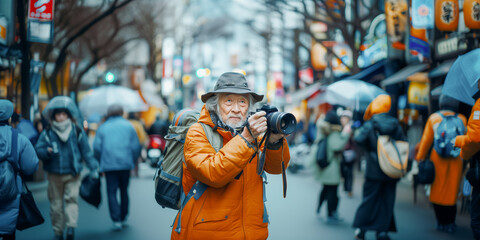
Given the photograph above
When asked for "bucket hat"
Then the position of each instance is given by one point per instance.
(231, 82)
(6, 109)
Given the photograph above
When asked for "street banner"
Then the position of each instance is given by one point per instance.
(396, 19)
(423, 14)
(446, 15)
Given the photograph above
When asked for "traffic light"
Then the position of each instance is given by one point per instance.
(109, 77)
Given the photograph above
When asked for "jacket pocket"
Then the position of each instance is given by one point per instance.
(213, 219)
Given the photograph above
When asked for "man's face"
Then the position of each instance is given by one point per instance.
(233, 108)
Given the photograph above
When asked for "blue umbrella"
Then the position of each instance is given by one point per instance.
(461, 82)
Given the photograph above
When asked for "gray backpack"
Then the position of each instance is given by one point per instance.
(8, 170)
(168, 177)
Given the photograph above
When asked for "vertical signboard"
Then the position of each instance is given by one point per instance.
(423, 14)
(396, 19)
(40, 21)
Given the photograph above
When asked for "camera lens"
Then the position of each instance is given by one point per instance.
(281, 122)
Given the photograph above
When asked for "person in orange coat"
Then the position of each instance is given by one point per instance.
(470, 145)
(232, 206)
(448, 171)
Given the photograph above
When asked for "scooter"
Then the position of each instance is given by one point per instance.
(155, 149)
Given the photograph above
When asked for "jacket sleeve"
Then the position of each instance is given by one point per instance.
(216, 169)
(86, 152)
(470, 143)
(41, 147)
(28, 160)
(362, 134)
(426, 141)
(274, 157)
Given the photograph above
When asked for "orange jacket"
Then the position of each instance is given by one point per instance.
(229, 208)
(448, 171)
(470, 143)
(381, 104)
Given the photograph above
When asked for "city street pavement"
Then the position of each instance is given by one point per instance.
(290, 218)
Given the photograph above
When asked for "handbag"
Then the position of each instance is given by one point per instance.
(90, 190)
(426, 170)
(322, 156)
(28, 213)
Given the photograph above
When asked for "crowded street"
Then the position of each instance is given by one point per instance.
(240, 120)
(291, 218)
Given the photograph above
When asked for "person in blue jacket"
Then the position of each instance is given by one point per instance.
(27, 165)
(61, 147)
(117, 146)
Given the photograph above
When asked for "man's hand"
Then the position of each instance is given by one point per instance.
(258, 126)
(274, 138)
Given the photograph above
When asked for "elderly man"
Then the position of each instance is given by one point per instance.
(232, 206)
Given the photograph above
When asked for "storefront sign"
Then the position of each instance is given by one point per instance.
(396, 18)
(3, 30)
(446, 15)
(418, 94)
(318, 56)
(40, 31)
(419, 46)
(423, 13)
(446, 48)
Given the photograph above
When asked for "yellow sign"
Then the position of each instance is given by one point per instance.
(418, 93)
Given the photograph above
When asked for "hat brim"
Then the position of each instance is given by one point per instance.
(256, 97)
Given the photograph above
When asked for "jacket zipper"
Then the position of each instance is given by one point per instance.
(243, 204)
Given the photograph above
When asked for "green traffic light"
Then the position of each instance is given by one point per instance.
(109, 77)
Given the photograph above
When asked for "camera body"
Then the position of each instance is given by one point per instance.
(279, 122)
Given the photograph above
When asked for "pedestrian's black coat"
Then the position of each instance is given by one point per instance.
(376, 210)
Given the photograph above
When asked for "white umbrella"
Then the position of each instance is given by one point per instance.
(99, 99)
(354, 94)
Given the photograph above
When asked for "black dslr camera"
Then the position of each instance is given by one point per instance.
(279, 122)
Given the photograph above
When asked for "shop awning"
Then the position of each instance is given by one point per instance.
(370, 71)
(403, 74)
(442, 69)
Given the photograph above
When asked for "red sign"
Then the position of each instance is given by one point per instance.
(41, 9)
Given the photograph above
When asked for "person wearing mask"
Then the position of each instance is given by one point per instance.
(61, 147)
(375, 212)
(232, 206)
(448, 170)
(117, 146)
(470, 145)
(330, 176)
(26, 161)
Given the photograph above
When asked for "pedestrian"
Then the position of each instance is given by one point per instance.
(330, 176)
(375, 212)
(25, 127)
(470, 145)
(117, 146)
(141, 134)
(448, 170)
(232, 206)
(349, 155)
(26, 162)
(159, 127)
(61, 147)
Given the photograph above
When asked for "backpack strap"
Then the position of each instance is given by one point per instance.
(197, 190)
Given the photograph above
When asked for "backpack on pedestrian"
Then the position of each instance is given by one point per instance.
(445, 133)
(321, 156)
(9, 170)
(392, 156)
(168, 177)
